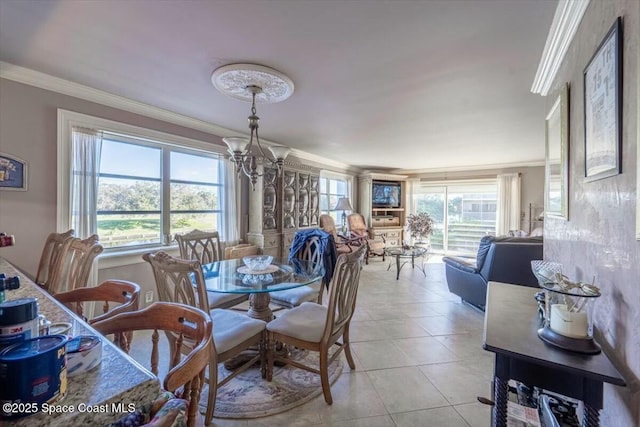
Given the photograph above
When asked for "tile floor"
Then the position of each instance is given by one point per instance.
(418, 354)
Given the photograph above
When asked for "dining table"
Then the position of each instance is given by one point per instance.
(233, 276)
(117, 386)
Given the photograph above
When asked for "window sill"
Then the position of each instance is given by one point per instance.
(133, 256)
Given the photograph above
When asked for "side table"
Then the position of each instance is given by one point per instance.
(510, 331)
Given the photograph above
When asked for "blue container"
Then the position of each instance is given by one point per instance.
(18, 321)
(33, 371)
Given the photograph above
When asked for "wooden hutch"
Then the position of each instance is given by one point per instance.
(281, 205)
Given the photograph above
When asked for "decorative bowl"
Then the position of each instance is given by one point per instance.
(545, 271)
(257, 262)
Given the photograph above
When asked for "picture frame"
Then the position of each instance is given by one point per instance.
(13, 173)
(556, 195)
(603, 108)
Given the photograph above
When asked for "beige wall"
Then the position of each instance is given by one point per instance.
(599, 239)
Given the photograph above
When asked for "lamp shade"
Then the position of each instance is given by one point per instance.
(280, 152)
(343, 204)
(236, 143)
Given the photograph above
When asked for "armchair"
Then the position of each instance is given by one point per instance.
(358, 228)
(344, 244)
(499, 259)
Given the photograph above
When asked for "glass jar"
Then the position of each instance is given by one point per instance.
(569, 308)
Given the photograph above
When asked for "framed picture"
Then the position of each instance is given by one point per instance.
(603, 108)
(13, 173)
(556, 199)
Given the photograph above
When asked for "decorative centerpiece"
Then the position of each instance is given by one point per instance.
(420, 226)
(257, 264)
(568, 322)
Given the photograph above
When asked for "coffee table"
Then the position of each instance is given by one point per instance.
(405, 254)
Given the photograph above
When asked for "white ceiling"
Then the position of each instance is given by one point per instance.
(397, 85)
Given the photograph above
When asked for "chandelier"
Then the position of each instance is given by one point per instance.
(255, 83)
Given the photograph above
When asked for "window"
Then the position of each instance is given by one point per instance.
(136, 187)
(133, 192)
(462, 214)
(331, 189)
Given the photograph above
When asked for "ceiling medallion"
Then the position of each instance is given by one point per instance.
(254, 83)
(236, 79)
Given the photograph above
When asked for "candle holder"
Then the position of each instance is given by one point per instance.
(568, 322)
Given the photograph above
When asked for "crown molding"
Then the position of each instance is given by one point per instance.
(413, 172)
(45, 81)
(565, 23)
(66, 87)
(369, 174)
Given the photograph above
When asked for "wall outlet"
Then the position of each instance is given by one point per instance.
(148, 297)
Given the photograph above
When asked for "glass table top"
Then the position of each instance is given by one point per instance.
(403, 251)
(224, 276)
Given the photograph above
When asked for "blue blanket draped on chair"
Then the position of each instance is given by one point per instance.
(327, 247)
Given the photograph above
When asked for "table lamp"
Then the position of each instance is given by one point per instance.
(343, 205)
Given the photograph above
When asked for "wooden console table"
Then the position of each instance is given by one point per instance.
(510, 331)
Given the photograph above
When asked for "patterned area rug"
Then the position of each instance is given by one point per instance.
(250, 396)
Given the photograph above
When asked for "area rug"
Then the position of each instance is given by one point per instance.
(250, 396)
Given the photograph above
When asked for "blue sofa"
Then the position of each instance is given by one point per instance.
(499, 259)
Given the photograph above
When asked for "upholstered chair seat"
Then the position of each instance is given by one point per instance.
(232, 328)
(307, 322)
(296, 296)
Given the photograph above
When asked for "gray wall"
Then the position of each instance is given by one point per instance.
(599, 237)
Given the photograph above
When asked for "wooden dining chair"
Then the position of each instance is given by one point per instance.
(127, 294)
(239, 251)
(74, 264)
(289, 298)
(187, 324)
(205, 246)
(182, 281)
(50, 255)
(316, 327)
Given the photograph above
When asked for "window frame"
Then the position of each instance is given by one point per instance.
(165, 180)
(348, 179)
(444, 188)
(67, 120)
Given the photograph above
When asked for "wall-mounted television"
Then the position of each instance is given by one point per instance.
(386, 194)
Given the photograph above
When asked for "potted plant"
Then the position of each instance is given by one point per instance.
(420, 226)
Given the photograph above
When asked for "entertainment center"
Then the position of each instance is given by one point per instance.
(382, 200)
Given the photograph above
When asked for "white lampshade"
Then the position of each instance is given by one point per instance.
(280, 152)
(343, 204)
(236, 143)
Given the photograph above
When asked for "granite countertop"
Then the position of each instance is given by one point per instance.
(94, 396)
